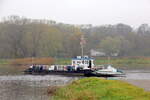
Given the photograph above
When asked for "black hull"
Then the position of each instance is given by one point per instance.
(53, 72)
(87, 73)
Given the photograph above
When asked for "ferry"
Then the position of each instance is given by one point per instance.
(82, 66)
(79, 66)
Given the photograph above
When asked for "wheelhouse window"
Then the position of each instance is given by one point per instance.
(82, 61)
(78, 62)
(74, 62)
(86, 62)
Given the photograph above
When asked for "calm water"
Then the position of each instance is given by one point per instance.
(138, 74)
(29, 87)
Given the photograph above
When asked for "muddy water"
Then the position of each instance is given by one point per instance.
(28, 87)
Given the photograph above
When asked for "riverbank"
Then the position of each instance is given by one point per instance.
(17, 66)
(100, 89)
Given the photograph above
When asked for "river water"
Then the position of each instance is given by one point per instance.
(30, 87)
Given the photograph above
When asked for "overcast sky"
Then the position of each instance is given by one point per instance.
(96, 12)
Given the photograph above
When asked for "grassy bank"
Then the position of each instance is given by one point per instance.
(100, 89)
(4, 61)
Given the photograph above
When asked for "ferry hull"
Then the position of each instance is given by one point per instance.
(57, 72)
(87, 73)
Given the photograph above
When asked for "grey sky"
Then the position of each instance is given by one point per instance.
(96, 12)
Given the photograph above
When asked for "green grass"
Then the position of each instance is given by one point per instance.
(4, 61)
(100, 89)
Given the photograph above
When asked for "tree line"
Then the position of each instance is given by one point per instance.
(22, 37)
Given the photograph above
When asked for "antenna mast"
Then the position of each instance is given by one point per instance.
(82, 43)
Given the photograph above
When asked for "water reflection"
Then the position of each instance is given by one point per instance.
(29, 87)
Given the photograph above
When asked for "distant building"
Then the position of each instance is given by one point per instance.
(84, 26)
(114, 54)
(97, 53)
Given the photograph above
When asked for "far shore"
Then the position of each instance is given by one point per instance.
(13, 66)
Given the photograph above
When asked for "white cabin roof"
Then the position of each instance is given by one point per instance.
(82, 58)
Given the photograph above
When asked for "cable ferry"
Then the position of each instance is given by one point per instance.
(79, 66)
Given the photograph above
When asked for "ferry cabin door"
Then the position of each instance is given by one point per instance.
(90, 64)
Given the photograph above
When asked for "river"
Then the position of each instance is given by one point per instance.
(30, 87)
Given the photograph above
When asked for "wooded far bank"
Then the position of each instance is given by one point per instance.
(22, 37)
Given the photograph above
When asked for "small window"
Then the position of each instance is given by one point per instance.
(82, 61)
(78, 62)
(74, 62)
(86, 62)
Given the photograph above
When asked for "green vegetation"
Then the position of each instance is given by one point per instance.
(4, 61)
(22, 37)
(100, 89)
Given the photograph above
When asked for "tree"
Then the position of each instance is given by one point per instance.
(123, 29)
(110, 45)
(74, 46)
(144, 29)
